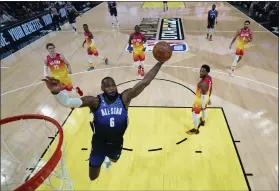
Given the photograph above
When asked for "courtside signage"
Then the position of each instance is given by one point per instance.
(149, 28)
(171, 29)
(176, 46)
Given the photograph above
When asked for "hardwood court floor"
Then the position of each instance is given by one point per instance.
(249, 100)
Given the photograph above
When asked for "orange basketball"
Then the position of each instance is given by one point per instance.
(162, 51)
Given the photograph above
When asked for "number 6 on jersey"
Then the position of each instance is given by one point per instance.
(112, 122)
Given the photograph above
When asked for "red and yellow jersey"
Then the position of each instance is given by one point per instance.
(208, 81)
(244, 34)
(88, 38)
(137, 41)
(57, 67)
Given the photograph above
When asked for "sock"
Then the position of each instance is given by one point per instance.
(203, 115)
(234, 63)
(101, 57)
(195, 120)
(210, 36)
(142, 64)
(74, 25)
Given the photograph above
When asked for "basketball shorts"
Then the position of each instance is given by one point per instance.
(239, 51)
(102, 149)
(66, 81)
(114, 12)
(138, 56)
(72, 18)
(93, 51)
(211, 24)
(197, 106)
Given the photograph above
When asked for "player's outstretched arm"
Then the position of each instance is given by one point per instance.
(56, 89)
(46, 68)
(131, 93)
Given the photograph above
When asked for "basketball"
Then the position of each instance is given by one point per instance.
(162, 51)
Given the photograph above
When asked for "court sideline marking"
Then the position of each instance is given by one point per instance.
(109, 68)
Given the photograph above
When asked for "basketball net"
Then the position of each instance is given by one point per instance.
(32, 154)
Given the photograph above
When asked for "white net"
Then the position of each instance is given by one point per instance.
(26, 146)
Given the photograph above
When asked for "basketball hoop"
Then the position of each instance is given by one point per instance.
(25, 167)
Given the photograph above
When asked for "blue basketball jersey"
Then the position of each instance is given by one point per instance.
(111, 4)
(110, 120)
(212, 14)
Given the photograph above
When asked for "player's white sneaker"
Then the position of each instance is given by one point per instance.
(107, 162)
(232, 74)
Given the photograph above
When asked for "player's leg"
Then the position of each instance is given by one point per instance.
(116, 15)
(142, 59)
(195, 113)
(211, 32)
(238, 56)
(114, 153)
(72, 21)
(203, 111)
(112, 16)
(90, 61)
(208, 28)
(95, 163)
(96, 53)
(136, 60)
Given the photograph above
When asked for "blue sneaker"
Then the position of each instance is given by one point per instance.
(90, 69)
(106, 61)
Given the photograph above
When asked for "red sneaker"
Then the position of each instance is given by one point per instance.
(79, 91)
(142, 72)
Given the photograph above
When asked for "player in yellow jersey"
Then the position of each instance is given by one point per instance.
(202, 99)
(138, 40)
(245, 36)
(91, 48)
(60, 69)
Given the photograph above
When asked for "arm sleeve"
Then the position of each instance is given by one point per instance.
(67, 101)
(45, 70)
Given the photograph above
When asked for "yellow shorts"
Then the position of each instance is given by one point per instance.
(197, 106)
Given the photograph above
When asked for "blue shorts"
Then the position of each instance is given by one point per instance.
(100, 150)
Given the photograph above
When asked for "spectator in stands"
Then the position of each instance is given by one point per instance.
(56, 16)
(5, 17)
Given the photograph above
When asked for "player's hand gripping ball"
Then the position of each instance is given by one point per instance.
(162, 51)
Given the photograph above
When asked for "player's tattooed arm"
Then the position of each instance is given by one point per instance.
(91, 102)
(67, 63)
(131, 93)
(57, 89)
(234, 38)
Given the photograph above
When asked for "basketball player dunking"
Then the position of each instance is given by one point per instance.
(60, 69)
(202, 98)
(112, 6)
(91, 48)
(138, 40)
(110, 112)
(72, 12)
(212, 19)
(245, 36)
